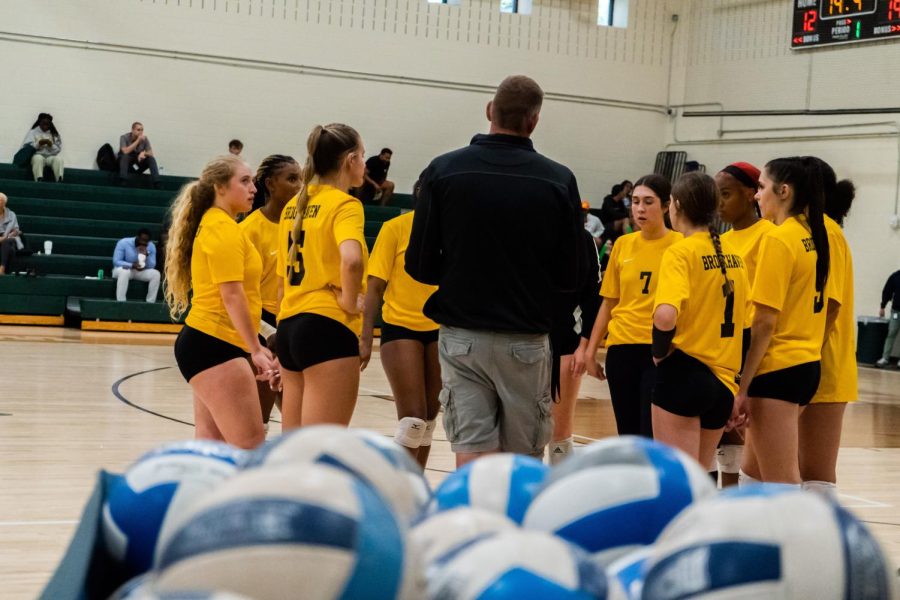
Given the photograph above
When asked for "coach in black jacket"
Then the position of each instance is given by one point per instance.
(497, 228)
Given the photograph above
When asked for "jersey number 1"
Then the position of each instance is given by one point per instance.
(295, 274)
(727, 329)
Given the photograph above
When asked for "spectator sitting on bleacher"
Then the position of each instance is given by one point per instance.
(376, 179)
(135, 258)
(47, 144)
(10, 240)
(135, 150)
(236, 147)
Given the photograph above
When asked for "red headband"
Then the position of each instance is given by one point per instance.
(744, 172)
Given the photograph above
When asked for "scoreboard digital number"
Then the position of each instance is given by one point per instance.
(824, 22)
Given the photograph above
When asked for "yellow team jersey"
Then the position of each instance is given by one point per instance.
(222, 253)
(786, 281)
(746, 243)
(839, 373)
(708, 325)
(263, 234)
(404, 297)
(330, 217)
(631, 276)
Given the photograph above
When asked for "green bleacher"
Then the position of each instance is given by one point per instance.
(84, 218)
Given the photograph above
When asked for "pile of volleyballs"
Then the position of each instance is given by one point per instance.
(326, 512)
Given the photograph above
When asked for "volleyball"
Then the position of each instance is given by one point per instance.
(145, 504)
(502, 483)
(520, 565)
(304, 531)
(371, 457)
(626, 575)
(617, 495)
(444, 532)
(768, 541)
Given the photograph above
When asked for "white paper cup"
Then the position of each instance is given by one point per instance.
(48, 247)
(142, 260)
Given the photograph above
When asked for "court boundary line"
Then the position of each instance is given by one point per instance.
(124, 400)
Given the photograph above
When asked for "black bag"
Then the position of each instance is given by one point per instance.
(106, 159)
(22, 158)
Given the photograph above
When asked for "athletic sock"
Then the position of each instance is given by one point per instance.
(561, 449)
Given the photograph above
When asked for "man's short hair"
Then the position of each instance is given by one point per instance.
(236, 144)
(136, 123)
(144, 231)
(386, 151)
(517, 100)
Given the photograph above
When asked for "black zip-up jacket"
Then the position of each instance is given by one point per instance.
(498, 228)
(891, 292)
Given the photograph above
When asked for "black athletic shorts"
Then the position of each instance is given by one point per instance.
(269, 319)
(392, 333)
(196, 351)
(797, 384)
(308, 339)
(688, 388)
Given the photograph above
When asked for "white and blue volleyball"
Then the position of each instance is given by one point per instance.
(292, 531)
(626, 575)
(501, 483)
(446, 531)
(617, 495)
(768, 541)
(149, 500)
(371, 457)
(517, 565)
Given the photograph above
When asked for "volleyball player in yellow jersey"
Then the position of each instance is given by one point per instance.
(821, 421)
(322, 256)
(213, 266)
(628, 288)
(738, 184)
(409, 351)
(277, 181)
(699, 309)
(782, 367)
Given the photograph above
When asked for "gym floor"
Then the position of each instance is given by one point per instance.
(74, 402)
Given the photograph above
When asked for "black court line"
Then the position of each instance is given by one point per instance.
(117, 394)
(5, 414)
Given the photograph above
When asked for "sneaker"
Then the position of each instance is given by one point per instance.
(882, 363)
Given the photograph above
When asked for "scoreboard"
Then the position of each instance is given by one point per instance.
(825, 22)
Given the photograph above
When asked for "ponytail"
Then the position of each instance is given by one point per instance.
(806, 175)
(728, 286)
(326, 147)
(192, 202)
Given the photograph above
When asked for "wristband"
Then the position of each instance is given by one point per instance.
(662, 342)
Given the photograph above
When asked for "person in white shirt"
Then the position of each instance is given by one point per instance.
(10, 240)
(47, 145)
(135, 258)
(592, 223)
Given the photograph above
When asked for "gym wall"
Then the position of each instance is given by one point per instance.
(407, 74)
(737, 53)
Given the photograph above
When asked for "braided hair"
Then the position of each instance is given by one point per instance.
(268, 168)
(698, 198)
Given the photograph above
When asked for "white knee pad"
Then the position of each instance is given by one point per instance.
(429, 432)
(826, 488)
(729, 458)
(744, 479)
(410, 432)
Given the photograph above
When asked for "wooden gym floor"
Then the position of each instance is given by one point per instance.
(73, 402)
